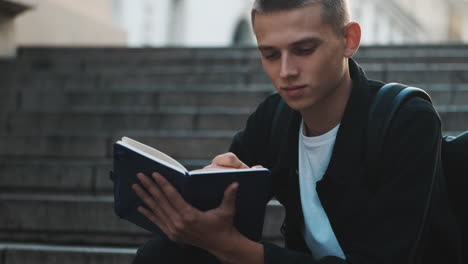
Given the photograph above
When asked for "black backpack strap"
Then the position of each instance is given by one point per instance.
(385, 104)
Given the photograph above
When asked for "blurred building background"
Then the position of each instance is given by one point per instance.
(227, 22)
(139, 23)
(58, 23)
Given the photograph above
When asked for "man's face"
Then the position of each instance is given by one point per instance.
(303, 57)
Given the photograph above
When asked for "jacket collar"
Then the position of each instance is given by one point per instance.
(352, 134)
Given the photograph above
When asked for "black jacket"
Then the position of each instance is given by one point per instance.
(401, 215)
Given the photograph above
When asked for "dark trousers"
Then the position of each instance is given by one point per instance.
(161, 250)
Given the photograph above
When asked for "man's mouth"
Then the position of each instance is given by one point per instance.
(293, 91)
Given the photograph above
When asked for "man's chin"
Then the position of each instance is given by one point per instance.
(295, 105)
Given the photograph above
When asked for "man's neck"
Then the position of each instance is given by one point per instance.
(327, 114)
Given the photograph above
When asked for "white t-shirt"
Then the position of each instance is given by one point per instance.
(314, 156)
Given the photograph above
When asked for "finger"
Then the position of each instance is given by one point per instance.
(229, 160)
(152, 203)
(215, 167)
(173, 198)
(258, 167)
(228, 204)
(154, 219)
(157, 193)
(167, 228)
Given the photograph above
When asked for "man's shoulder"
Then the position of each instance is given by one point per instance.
(417, 110)
(413, 109)
(413, 104)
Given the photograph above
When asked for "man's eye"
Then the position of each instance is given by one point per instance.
(304, 51)
(271, 55)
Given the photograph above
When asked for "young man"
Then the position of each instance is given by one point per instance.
(333, 212)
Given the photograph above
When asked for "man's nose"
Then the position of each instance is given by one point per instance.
(288, 67)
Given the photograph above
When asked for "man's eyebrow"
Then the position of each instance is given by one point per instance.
(311, 40)
(264, 47)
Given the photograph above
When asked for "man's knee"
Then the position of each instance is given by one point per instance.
(158, 248)
(161, 250)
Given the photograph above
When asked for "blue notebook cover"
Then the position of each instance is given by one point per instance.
(203, 189)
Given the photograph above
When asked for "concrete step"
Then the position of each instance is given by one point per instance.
(454, 118)
(63, 176)
(8, 96)
(412, 53)
(449, 74)
(118, 65)
(189, 72)
(132, 54)
(146, 101)
(76, 219)
(159, 124)
(453, 73)
(73, 175)
(449, 96)
(57, 176)
(55, 146)
(89, 220)
(120, 121)
(23, 253)
(65, 83)
(181, 145)
(130, 66)
(93, 83)
(391, 53)
(138, 100)
(137, 80)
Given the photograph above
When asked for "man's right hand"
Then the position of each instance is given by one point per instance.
(227, 160)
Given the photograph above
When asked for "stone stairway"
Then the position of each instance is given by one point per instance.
(62, 108)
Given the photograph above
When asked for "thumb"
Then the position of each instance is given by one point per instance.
(257, 167)
(228, 204)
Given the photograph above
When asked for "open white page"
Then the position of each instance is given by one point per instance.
(152, 154)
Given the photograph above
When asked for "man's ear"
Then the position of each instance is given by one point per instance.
(352, 38)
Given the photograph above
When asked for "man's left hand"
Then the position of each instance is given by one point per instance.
(183, 223)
